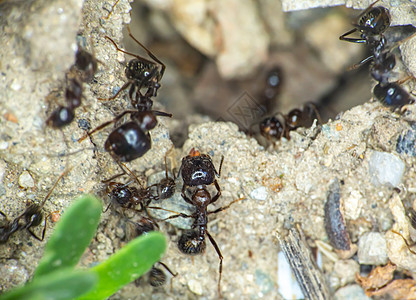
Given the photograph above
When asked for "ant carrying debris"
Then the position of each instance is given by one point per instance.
(274, 128)
(31, 217)
(140, 73)
(156, 276)
(83, 70)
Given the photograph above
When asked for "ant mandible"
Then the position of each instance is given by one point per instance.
(370, 23)
(31, 217)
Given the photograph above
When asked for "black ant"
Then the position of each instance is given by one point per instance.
(372, 22)
(31, 217)
(140, 73)
(83, 70)
(197, 170)
(156, 276)
(275, 128)
(129, 197)
(130, 140)
(192, 242)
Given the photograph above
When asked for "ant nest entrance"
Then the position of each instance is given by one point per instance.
(221, 81)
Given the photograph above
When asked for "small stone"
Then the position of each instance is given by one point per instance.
(4, 145)
(385, 168)
(26, 181)
(372, 249)
(406, 143)
(351, 292)
(345, 270)
(259, 193)
(195, 287)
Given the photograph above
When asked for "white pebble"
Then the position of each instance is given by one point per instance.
(385, 168)
(372, 249)
(26, 181)
(259, 193)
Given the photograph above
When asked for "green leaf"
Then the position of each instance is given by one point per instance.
(71, 237)
(59, 285)
(128, 264)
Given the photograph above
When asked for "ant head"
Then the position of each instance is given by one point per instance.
(272, 127)
(119, 193)
(194, 152)
(192, 243)
(375, 21)
(166, 188)
(293, 118)
(33, 215)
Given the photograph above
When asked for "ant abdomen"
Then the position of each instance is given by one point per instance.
(392, 94)
(192, 243)
(156, 277)
(61, 117)
(128, 142)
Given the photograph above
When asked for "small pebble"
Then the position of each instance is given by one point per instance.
(195, 287)
(385, 168)
(351, 292)
(406, 143)
(372, 249)
(26, 181)
(259, 193)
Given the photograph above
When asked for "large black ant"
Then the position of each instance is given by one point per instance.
(140, 73)
(145, 225)
(192, 242)
(83, 70)
(371, 23)
(198, 171)
(276, 128)
(31, 217)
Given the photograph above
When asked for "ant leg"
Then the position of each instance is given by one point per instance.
(217, 186)
(118, 92)
(219, 171)
(211, 239)
(225, 207)
(182, 215)
(111, 11)
(357, 65)
(167, 269)
(105, 124)
(161, 114)
(405, 241)
(352, 40)
(186, 197)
